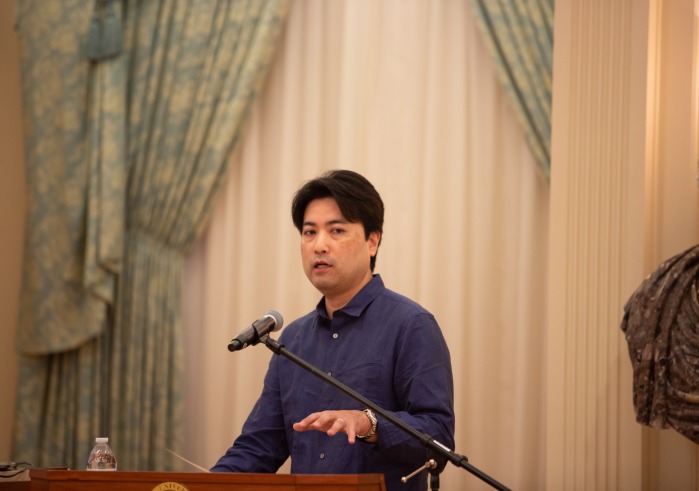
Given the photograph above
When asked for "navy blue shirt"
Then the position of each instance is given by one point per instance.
(384, 346)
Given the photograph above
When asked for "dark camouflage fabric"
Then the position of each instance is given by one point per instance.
(661, 323)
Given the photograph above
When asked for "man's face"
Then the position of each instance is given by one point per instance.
(334, 252)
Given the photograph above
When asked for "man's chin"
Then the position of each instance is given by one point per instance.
(322, 283)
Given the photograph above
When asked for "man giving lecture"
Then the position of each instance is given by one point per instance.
(379, 343)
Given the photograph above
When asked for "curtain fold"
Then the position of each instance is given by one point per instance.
(124, 155)
(59, 308)
(519, 35)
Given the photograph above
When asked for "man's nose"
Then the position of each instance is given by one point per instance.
(321, 242)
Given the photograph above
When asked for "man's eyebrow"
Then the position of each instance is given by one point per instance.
(337, 221)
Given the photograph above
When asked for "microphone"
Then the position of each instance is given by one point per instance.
(270, 321)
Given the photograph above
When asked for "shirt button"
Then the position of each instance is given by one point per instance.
(322, 456)
(330, 374)
(335, 336)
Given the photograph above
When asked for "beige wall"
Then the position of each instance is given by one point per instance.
(11, 216)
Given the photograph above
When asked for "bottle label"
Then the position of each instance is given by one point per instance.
(104, 464)
(101, 466)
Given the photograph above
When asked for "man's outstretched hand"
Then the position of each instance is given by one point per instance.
(351, 422)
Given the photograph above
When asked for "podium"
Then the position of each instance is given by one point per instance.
(67, 480)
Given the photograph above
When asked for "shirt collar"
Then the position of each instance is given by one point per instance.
(359, 302)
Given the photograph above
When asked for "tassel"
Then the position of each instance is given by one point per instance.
(105, 38)
(94, 34)
(112, 36)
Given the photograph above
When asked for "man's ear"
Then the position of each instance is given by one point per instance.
(373, 242)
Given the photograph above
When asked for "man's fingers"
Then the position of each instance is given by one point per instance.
(330, 422)
(307, 422)
(335, 427)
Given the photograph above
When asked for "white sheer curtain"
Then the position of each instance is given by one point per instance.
(403, 92)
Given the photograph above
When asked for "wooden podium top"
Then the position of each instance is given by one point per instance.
(66, 480)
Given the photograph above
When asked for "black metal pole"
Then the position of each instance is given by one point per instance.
(432, 444)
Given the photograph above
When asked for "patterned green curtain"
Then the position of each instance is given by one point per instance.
(131, 108)
(519, 34)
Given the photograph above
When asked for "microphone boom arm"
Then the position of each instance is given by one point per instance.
(429, 442)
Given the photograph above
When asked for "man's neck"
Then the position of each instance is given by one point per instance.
(335, 303)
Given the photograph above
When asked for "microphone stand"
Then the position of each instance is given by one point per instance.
(439, 453)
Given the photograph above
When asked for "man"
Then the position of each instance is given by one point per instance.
(377, 342)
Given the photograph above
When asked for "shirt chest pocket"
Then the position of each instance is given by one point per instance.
(369, 379)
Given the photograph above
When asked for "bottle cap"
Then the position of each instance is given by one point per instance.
(102, 439)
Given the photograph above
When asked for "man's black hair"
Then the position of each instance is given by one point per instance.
(358, 200)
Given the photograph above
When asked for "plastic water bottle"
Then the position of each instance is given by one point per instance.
(101, 457)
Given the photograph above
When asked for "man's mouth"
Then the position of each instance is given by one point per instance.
(320, 265)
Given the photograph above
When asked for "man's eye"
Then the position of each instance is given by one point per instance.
(309, 232)
(338, 230)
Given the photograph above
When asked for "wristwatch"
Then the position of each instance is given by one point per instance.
(372, 431)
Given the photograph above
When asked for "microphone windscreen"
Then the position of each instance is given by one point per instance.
(278, 319)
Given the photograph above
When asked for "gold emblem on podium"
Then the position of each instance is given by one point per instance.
(170, 486)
